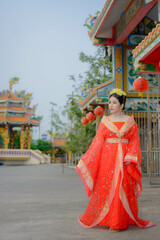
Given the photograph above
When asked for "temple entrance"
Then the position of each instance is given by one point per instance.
(153, 137)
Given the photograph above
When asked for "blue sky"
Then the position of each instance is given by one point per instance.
(40, 43)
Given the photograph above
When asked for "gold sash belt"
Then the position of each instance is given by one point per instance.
(117, 140)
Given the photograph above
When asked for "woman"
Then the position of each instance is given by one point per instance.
(111, 171)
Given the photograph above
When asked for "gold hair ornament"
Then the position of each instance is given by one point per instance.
(118, 91)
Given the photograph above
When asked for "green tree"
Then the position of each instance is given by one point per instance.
(43, 146)
(1, 142)
(100, 68)
(57, 125)
(16, 140)
(79, 136)
(99, 71)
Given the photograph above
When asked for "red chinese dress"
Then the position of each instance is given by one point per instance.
(111, 173)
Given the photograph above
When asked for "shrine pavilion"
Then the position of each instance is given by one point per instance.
(59, 147)
(17, 114)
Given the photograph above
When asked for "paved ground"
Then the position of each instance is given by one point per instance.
(42, 203)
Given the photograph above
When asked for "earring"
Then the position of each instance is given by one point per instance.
(122, 107)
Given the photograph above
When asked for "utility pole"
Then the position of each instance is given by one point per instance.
(71, 96)
(51, 120)
(39, 131)
(53, 104)
(40, 119)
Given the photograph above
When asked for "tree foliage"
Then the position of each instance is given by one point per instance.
(43, 146)
(100, 68)
(57, 125)
(99, 71)
(16, 140)
(79, 136)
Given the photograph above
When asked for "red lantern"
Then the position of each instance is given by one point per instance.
(90, 116)
(140, 84)
(98, 111)
(84, 120)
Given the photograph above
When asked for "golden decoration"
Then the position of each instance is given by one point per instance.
(29, 138)
(23, 138)
(5, 136)
(118, 91)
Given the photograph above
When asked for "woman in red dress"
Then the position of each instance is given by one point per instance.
(111, 171)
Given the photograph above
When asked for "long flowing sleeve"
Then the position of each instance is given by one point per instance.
(133, 157)
(87, 167)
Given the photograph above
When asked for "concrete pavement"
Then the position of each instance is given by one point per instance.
(42, 203)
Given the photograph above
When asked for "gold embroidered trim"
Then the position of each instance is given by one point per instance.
(113, 128)
(85, 174)
(117, 140)
(129, 156)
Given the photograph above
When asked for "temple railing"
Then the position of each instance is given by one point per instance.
(22, 155)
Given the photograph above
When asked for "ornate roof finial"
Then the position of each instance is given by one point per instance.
(90, 21)
(13, 81)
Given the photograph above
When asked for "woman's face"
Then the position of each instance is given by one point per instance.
(114, 105)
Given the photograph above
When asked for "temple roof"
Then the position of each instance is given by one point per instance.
(19, 120)
(60, 143)
(2, 118)
(35, 122)
(11, 96)
(147, 53)
(116, 15)
(147, 41)
(109, 15)
(92, 96)
(13, 109)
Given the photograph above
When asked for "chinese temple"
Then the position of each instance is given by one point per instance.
(120, 27)
(15, 112)
(59, 147)
(130, 31)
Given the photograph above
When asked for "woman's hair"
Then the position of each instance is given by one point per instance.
(121, 99)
